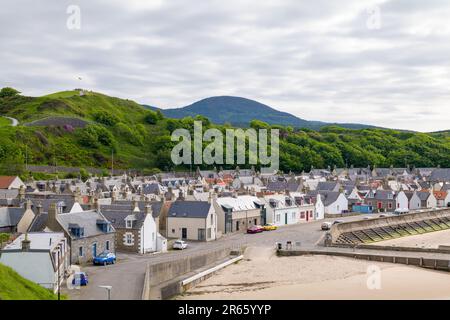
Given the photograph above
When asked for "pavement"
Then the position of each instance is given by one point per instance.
(127, 276)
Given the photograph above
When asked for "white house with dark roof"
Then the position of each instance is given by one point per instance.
(38, 257)
(136, 228)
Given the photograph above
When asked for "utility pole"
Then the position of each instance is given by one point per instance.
(112, 163)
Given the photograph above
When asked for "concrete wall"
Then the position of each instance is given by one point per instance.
(169, 270)
(352, 226)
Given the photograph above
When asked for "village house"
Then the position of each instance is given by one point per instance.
(238, 213)
(40, 257)
(89, 233)
(11, 182)
(192, 220)
(16, 219)
(137, 230)
(333, 202)
(442, 198)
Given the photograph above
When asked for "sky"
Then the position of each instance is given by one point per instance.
(385, 63)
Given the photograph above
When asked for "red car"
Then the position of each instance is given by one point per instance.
(255, 229)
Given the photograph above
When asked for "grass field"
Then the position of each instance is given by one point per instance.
(15, 287)
(4, 122)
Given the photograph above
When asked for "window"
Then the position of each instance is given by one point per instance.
(278, 218)
(293, 215)
(311, 214)
(129, 238)
(212, 219)
(390, 205)
(173, 230)
(129, 224)
(302, 215)
(80, 251)
(107, 245)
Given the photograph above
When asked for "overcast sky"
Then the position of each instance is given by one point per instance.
(384, 63)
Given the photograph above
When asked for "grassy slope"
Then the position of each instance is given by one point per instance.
(299, 150)
(65, 145)
(15, 287)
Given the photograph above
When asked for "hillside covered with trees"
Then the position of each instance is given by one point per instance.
(87, 129)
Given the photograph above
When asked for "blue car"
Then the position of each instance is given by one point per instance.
(80, 279)
(105, 258)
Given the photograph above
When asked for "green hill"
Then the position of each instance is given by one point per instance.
(240, 111)
(69, 129)
(15, 287)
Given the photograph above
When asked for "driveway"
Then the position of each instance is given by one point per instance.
(127, 275)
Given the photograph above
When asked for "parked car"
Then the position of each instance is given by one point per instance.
(180, 245)
(326, 226)
(383, 215)
(270, 227)
(337, 221)
(105, 258)
(401, 211)
(80, 279)
(255, 229)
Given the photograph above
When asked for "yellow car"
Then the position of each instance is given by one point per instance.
(269, 227)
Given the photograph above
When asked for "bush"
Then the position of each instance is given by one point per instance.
(151, 117)
(105, 118)
(8, 92)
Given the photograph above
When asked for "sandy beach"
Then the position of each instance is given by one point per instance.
(426, 240)
(263, 275)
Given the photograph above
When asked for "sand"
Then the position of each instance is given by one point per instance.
(263, 275)
(425, 240)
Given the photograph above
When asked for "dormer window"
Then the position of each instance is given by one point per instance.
(129, 224)
(76, 231)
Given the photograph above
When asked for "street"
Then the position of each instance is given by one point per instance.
(127, 276)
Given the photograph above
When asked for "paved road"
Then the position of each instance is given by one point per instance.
(127, 275)
(14, 122)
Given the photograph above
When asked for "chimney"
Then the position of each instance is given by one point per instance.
(52, 223)
(148, 210)
(28, 205)
(39, 209)
(96, 205)
(21, 193)
(26, 244)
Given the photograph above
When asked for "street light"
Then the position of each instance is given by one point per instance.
(108, 288)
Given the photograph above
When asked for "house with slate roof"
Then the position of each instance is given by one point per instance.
(89, 233)
(192, 220)
(136, 226)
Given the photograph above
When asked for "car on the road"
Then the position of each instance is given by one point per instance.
(269, 227)
(255, 229)
(80, 279)
(180, 245)
(326, 226)
(105, 258)
(401, 211)
(383, 215)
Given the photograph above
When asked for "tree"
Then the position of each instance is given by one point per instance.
(84, 174)
(8, 92)
(3, 238)
(151, 117)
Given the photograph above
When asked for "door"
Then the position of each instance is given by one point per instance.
(201, 234)
(183, 233)
(237, 225)
(285, 218)
(94, 250)
(307, 216)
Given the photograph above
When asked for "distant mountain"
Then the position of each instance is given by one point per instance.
(240, 111)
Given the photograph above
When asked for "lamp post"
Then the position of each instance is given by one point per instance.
(108, 288)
